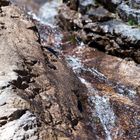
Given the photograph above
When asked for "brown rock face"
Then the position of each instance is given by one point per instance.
(112, 36)
(40, 98)
(112, 82)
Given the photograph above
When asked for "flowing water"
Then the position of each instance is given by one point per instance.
(46, 16)
(47, 12)
(75, 55)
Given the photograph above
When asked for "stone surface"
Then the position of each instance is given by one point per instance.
(113, 36)
(129, 14)
(39, 95)
(41, 98)
(112, 82)
(111, 4)
(118, 28)
(113, 91)
(128, 10)
(134, 4)
(86, 5)
(99, 14)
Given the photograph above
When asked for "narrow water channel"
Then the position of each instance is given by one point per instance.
(80, 59)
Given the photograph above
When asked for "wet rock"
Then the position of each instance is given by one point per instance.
(128, 121)
(107, 107)
(113, 87)
(112, 92)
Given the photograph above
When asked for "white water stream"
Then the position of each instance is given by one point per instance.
(47, 12)
(101, 104)
(47, 15)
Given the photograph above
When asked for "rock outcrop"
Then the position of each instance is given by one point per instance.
(103, 30)
(129, 14)
(40, 98)
(112, 82)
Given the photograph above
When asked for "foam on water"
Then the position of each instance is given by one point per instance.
(47, 13)
(75, 63)
(103, 109)
(105, 113)
(102, 104)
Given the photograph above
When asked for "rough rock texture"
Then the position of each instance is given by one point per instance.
(112, 82)
(40, 98)
(134, 3)
(29, 5)
(99, 14)
(128, 10)
(111, 4)
(129, 14)
(112, 36)
(113, 91)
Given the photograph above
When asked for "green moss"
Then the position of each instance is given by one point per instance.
(132, 22)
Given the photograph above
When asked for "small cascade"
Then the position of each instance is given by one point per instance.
(47, 13)
(98, 99)
(103, 109)
(105, 113)
(101, 103)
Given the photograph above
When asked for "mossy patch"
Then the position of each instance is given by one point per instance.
(132, 22)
